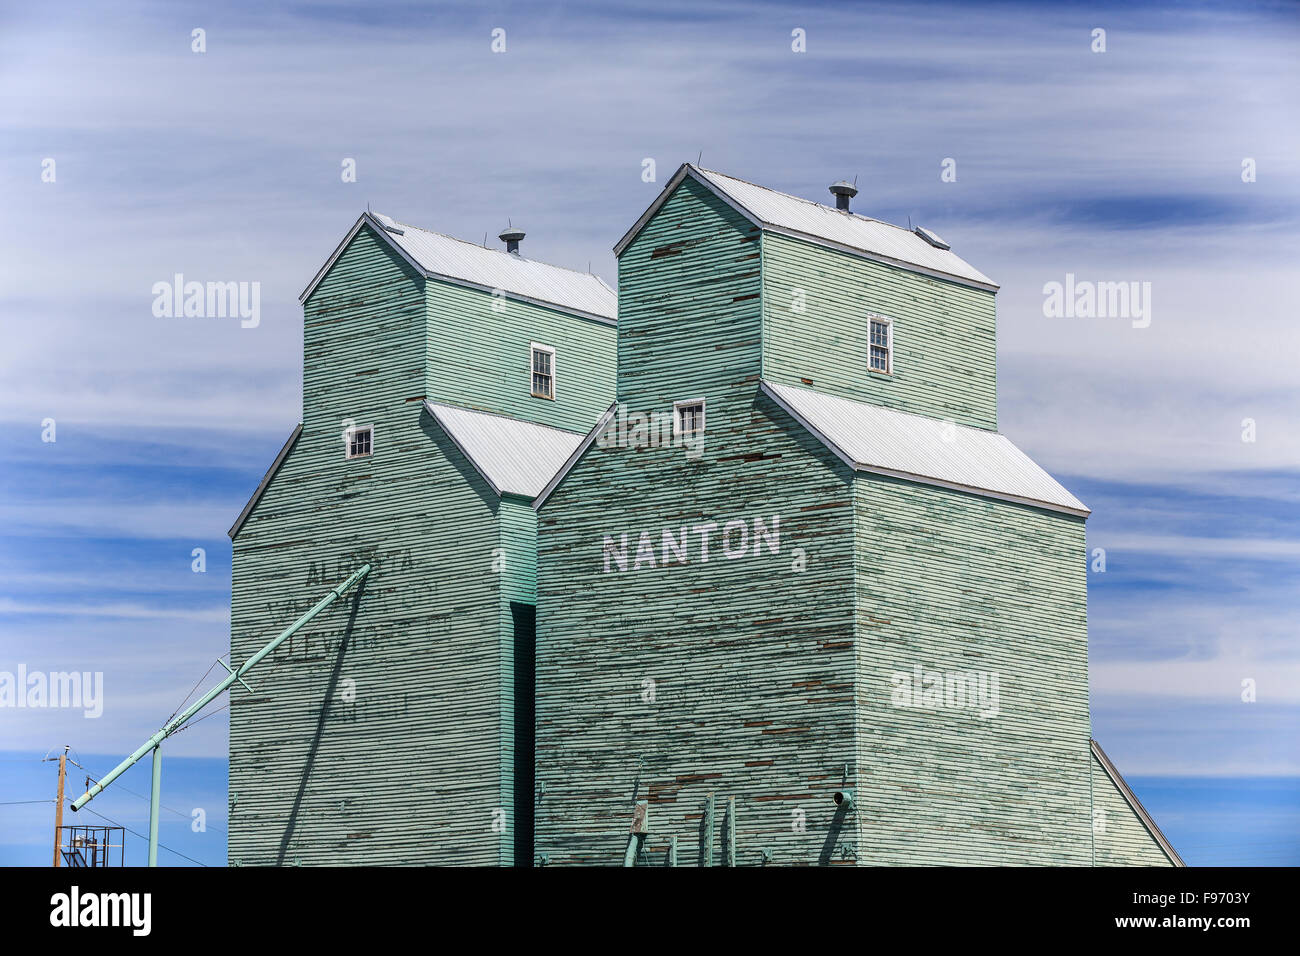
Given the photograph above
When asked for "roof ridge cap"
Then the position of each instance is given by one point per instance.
(802, 199)
(502, 252)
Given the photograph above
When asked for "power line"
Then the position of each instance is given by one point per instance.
(14, 803)
(184, 816)
(192, 690)
(211, 713)
(143, 837)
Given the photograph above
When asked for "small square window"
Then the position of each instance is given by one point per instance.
(543, 368)
(360, 441)
(688, 417)
(881, 345)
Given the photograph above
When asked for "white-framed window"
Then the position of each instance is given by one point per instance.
(542, 364)
(688, 417)
(880, 336)
(360, 441)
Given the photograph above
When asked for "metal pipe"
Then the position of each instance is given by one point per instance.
(174, 725)
(843, 799)
(633, 848)
(154, 801)
(636, 836)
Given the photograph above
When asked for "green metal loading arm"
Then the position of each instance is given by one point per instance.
(172, 726)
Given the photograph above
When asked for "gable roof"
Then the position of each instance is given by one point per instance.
(575, 456)
(1135, 804)
(436, 256)
(266, 480)
(922, 449)
(513, 456)
(824, 225)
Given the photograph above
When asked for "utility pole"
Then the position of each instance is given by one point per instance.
(58, 805)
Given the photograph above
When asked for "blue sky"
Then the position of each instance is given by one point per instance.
(1116, 166)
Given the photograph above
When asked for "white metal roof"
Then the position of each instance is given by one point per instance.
(781, 212)
(928, 450)
(515, 457)
(577, 454)
(467, 263)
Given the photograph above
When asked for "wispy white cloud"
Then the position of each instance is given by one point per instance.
(89, 517)
(1193, 546)
(128, 611)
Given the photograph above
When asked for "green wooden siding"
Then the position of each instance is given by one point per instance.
(517, 570)
(751, 658)
(381, 734)
(479, 355)
(689, 306)
(411, 769)
(363, 333)
(945, 335)
(775, 685)
(958, 583)
(519, 550)
(1120, 838)
(390, 730)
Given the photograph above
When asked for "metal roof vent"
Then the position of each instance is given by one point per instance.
(931, 238)
(511, 236)
(843, 192)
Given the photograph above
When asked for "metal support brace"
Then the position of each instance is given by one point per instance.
(155, 793)
(175, 724)
(635, 841)
(230, 670)
(637, 834)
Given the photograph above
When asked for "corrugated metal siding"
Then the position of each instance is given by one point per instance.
(945, 335)
(496, 269)
(1120, 838)
(751, 660)
(958, 584)
(479, 357)
(846, 229)
(410, 770)
(878, 438)
(517, 457)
